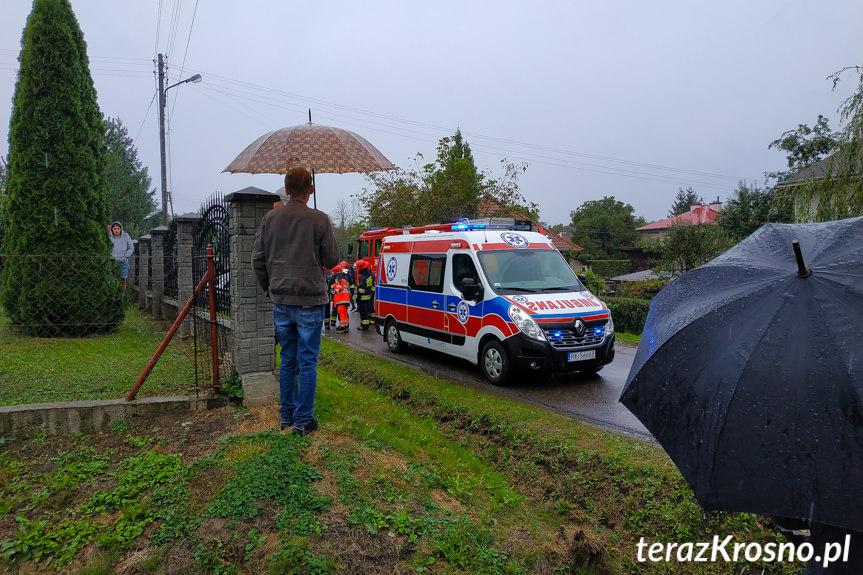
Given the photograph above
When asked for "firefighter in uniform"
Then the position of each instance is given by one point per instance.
(352, 286)
(341, 298)
(365, 294)
(329, 316)
(372, 302)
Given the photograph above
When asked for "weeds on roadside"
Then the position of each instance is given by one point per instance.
(428, 477)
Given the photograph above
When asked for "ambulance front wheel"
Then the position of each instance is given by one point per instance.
(394, 338)
(495, 363)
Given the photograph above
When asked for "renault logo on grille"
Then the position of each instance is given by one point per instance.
(579, 328)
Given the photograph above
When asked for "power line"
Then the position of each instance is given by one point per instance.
(158, 30)
(188, 41)
(261, 96)
(244, 92)
(153, 99)
(175, 22)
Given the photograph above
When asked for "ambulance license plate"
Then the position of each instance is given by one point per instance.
(582, 355)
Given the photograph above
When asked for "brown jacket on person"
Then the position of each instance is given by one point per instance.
(292, 247)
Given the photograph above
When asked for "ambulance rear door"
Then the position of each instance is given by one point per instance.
(426, 325)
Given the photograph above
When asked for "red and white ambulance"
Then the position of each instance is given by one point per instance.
(503, 299)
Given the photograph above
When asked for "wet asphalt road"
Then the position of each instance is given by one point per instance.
(591, 399)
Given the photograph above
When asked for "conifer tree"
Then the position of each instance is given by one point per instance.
(61, 280)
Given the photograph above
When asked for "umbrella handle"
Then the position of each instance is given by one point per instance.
(802, 271)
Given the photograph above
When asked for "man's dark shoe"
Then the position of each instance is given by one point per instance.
(287, 425)
(303, 431)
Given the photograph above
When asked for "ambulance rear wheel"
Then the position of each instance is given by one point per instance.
(495, 363)
(394, 338)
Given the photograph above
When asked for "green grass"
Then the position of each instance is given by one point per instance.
(629, 338)
(407, 474)
(37, 370)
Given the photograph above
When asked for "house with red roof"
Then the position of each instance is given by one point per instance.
(698, 214)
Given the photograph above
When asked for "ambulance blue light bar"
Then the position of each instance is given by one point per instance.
(465, 225)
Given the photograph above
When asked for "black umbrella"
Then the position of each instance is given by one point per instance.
(749, 373)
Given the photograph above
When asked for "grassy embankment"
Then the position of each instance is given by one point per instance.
(407, 474)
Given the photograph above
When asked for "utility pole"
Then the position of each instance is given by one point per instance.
(162, 140)
(162, 90)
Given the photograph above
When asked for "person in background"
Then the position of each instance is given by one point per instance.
(341, 298)
(329, 318)
(122, 248)
(365, 292)
(292, 247)
(352, 286)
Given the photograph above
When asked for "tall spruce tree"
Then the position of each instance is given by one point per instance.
(56, 207)
(132, 200)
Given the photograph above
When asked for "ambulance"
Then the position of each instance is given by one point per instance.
(501, 298)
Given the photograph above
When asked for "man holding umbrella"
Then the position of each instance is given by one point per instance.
(293, 246)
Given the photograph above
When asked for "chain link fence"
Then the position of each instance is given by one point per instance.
(61, 295)
(69, 332)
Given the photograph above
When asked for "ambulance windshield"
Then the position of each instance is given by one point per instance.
(526, 270)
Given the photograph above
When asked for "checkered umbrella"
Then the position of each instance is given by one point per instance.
(321, 149)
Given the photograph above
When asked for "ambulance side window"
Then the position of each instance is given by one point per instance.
(427, 273)
(463, 267)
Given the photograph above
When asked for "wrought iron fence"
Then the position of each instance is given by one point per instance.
(170, 257)
(214, 230)
(137, 266)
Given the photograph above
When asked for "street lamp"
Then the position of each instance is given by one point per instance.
(162, 91)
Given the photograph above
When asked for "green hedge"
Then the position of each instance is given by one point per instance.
(629, 314)
(609, 268)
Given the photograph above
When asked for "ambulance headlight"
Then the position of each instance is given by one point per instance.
(525, 323)
(609, 327)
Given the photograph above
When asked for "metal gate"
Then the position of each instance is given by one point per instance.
(215, 230)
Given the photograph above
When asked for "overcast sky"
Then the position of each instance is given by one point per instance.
(629, 99)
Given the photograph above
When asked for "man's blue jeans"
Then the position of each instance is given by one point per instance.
(298, 330)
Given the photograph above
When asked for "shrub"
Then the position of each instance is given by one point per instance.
(644, 289)
(609, 268)
(232, 386)
(592, 282)
(629, 314)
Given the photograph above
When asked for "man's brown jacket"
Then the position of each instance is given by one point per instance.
(292, 247)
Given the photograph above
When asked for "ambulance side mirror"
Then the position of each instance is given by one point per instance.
(471, 290)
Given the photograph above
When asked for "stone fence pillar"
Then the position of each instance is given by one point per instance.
(143, 270)
(253, 334)
(157, 247)
(187, 226)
